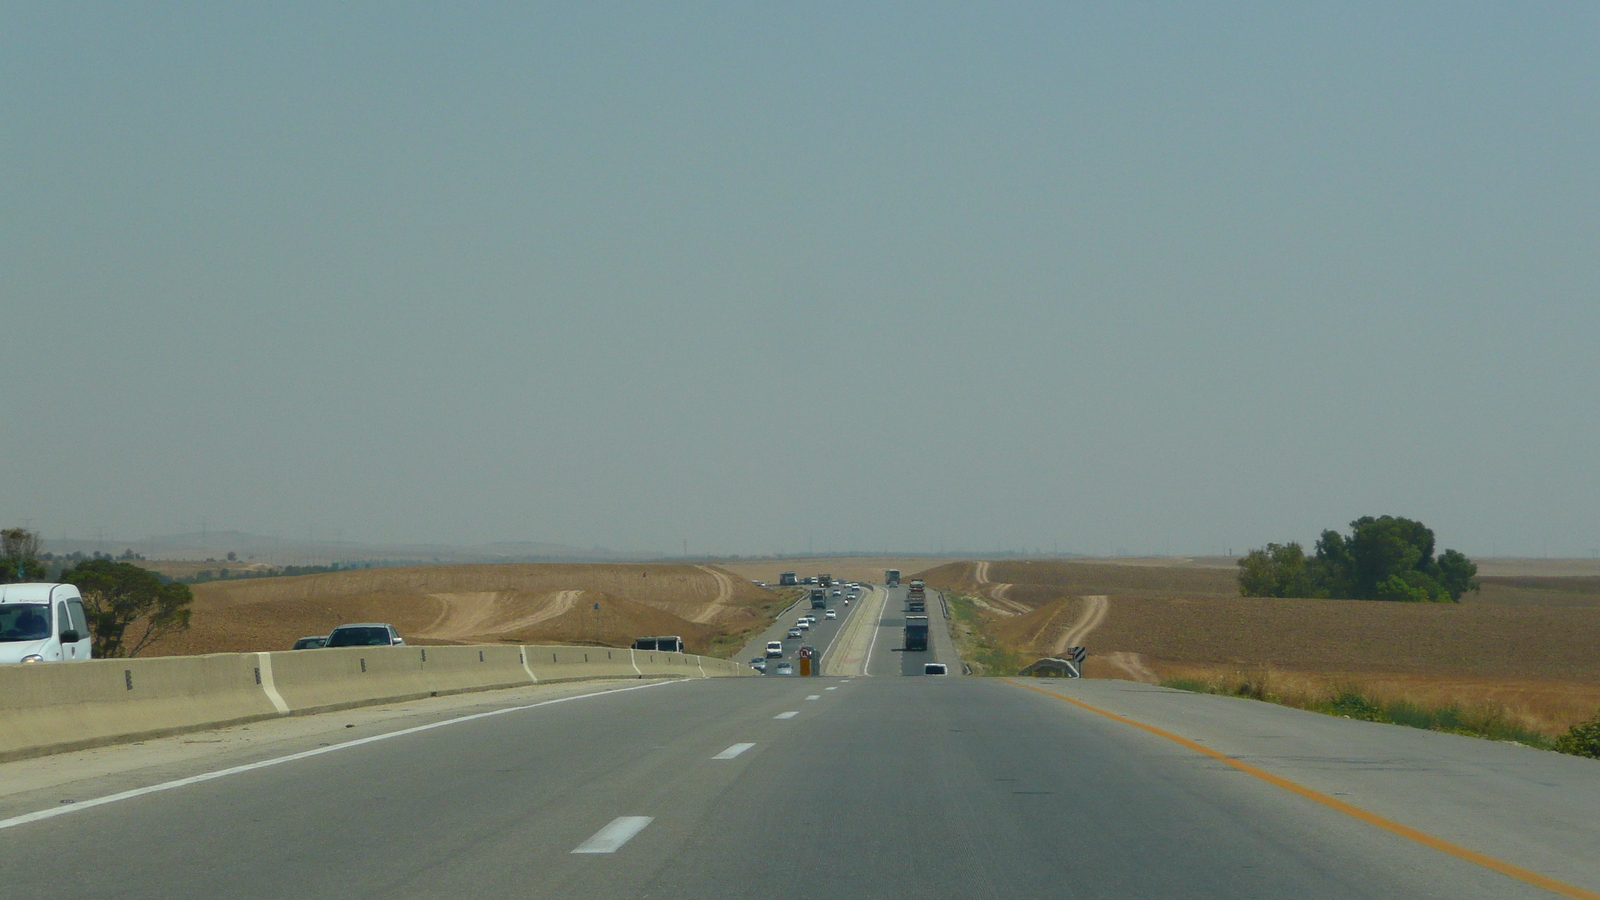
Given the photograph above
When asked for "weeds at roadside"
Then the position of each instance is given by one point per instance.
(973, 645)
(1350, 702)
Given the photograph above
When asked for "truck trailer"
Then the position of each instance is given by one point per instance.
(819, 598)
(916, 633)
(891, 577)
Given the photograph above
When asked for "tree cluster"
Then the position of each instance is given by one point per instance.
(1383, 558)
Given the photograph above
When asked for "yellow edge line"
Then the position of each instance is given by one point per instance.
(1527, 876)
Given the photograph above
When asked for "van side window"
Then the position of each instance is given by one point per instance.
(80, 621)
(61, 617)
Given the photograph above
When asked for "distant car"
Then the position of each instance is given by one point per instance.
(784, 668)
(830, 614)
(365, 634)
(794, 634)
(311, 643)
(803, 625)
(811, 617)
(759, 664)
(933, 669)
(838, 594)
(774, 648)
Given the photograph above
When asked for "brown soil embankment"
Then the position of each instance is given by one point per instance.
(517, 603)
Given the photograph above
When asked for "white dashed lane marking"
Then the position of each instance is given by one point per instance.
(610, 838)
(733, 751)
(814, 697)
(787, 715)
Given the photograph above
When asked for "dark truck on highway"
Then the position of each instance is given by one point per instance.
(819, 598)
(916, 633)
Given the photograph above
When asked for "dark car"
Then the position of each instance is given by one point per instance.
(311, 643)
(365, 634)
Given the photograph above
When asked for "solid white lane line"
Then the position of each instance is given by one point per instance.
(787, 715)
(733, 751)
(814, 697)
(81, 805)
(610, 838)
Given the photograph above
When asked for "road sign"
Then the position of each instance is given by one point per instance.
(1077, 654)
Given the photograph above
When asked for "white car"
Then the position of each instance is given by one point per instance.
(774, 648)
(830, 614)
(42, 623)
(802, 625)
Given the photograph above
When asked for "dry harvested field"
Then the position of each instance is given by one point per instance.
(516, 603)
(1530, 643)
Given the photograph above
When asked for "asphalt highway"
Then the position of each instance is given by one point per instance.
(875, 647)
(827, 787)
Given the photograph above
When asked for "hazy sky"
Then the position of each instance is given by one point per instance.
(1101, 276)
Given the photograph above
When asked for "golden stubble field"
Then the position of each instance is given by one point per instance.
(1527, 643)
(515, 603)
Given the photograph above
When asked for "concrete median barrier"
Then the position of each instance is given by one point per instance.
(54, 707)
(70, 706)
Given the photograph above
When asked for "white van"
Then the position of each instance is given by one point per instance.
(42, 623)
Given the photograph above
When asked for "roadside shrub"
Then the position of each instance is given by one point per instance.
(1351, 703)
(1583, 739)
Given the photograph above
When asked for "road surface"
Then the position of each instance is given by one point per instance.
(812, 787)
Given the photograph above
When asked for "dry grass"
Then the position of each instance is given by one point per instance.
(1542, 706)
(521, 603)
(1530, 644)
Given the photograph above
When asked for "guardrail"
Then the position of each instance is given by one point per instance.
(55, 707)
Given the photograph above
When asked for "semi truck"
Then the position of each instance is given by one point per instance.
(891, 577)
(916, 633)
(819, 598)
(824, 579)
(787, 578)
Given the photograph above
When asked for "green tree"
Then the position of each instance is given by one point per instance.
(119, 595)
(1383, 558)
(1457, 573)
(1278, 571)
(19, 556)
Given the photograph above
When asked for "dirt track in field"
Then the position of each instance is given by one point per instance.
(1150, 622)
(521, 603)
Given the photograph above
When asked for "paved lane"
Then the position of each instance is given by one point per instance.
(880, 787)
